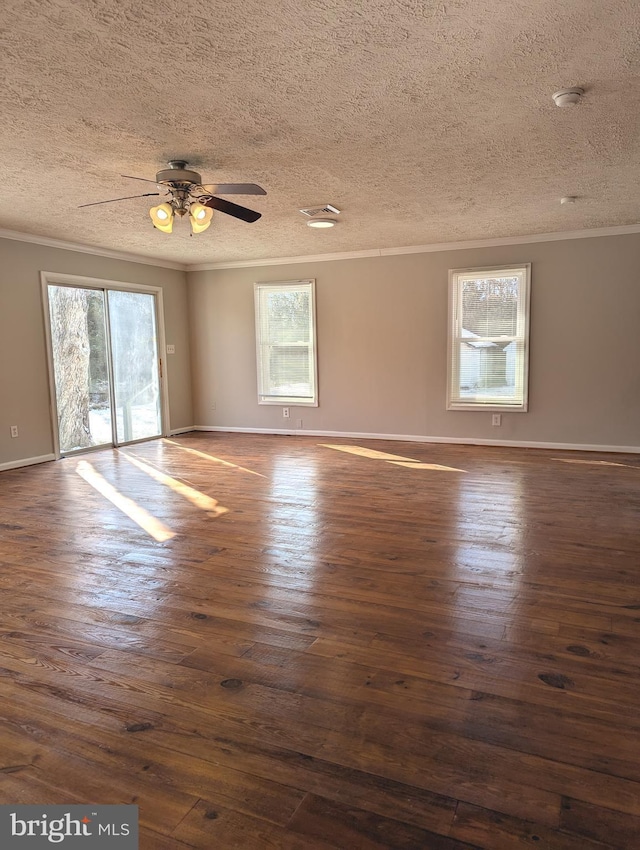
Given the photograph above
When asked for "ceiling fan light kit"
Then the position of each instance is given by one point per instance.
(188, 196)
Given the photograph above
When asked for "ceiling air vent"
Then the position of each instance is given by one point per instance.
(327, 209)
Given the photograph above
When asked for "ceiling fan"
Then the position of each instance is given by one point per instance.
(187, 195)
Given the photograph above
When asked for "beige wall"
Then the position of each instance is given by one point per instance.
(382, 325)
(382, 339)
(24, 387)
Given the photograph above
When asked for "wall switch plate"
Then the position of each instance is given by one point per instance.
(285, 412)
(496, 419)
(14, 430)
(171, 349)
(298, 423)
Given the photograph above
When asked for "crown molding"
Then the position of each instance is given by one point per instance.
(284, 261)
(560, 236)
(620, 230)
(90, 249)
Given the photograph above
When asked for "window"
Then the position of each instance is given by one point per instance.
(488, 338)
(286, 342)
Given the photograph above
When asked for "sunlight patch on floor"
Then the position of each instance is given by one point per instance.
(196, 497)
(147, 522)
(419, 465)
(206, 456)
(397, 460)
(594, 462)
(372, 453)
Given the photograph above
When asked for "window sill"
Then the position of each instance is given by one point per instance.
(503, 408)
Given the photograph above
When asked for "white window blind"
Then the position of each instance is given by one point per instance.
(488, 338)
(286, 342)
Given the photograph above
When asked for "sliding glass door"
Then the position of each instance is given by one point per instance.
(104, 348)
(136, 380)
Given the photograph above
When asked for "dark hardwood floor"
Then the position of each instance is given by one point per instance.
(434, 648)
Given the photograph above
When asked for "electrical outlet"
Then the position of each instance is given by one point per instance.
(14, 430)
(171, 349)
(213, 405)
(496, 419)
(298, 423)
(285, 412)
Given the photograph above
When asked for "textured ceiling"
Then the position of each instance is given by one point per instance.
(423, 121)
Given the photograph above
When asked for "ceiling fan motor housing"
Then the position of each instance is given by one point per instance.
(178, 173)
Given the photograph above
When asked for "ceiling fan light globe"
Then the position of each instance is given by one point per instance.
(198, 226)
(200, 217)
(162, 217)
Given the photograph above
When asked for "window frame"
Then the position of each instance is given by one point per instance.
(309, 285)
(454, 401)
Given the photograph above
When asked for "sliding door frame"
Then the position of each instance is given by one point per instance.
(81, 282)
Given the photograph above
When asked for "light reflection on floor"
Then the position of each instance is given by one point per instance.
(293, 511)
(492, 531)
(294, 493)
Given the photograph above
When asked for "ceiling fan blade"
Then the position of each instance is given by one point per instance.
(144, 179)
(232, 209)
(235, 189)
(113, 200)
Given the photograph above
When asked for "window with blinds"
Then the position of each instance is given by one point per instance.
(488, 338)
(286, 342)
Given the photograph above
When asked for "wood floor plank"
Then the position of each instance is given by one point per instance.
(472, 781)
(345, 826)
(79, 778)
(581, 694)
(494, 831)
(171, 780)
(151, 839)
(597, 823)
(225, 749)
(548, 774)
(210, 825)
(354, 654)
(27, 788)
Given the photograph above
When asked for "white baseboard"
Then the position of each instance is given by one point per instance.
(174, 431)
(416, 438)
(26, 461)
